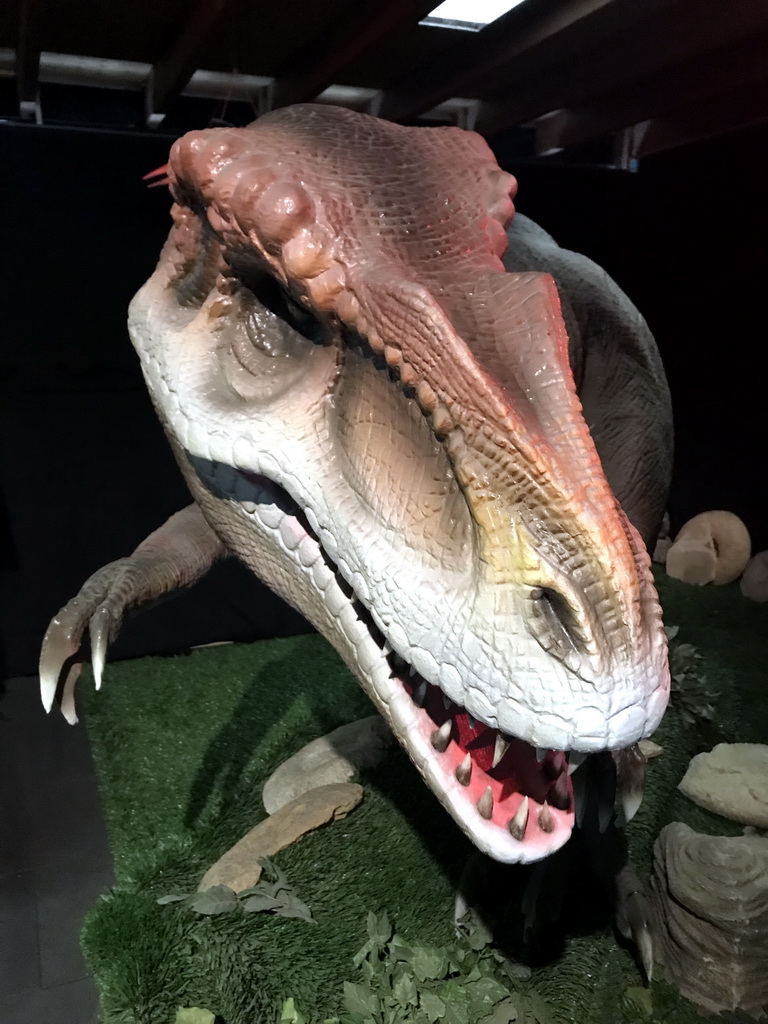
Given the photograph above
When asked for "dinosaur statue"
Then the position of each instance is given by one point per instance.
(379, 416)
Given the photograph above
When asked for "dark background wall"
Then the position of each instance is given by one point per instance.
(86, 473)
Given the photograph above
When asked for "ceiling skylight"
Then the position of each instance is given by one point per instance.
(468, 14)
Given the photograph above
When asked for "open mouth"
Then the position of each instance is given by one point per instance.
(514, 801)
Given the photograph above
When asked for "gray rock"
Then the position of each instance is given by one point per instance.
(754, 582)
(710, 917)
(731, 780)
(331, 759)
(239, 868)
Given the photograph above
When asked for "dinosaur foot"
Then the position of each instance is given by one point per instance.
(171, 558)
(99, 608)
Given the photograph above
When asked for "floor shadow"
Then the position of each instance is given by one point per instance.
(263, 704)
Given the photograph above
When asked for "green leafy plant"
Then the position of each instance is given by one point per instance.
(467, 982)
(690, 693)
(272, 894)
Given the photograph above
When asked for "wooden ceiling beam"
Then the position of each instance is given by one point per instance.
(537, 34)
(173, 71)
(27, 63)
(678, 31)
(698, 82)
(348, 36)
(742, 108)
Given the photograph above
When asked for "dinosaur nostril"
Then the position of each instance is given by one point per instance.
(556, 622)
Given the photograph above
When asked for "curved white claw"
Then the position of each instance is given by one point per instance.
(99, 627)
(58, 647)
(68, 695)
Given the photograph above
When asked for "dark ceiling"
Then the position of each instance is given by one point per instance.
(638, 76)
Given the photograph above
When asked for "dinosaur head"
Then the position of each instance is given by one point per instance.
(331, 340)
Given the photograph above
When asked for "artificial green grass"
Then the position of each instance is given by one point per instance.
(182, 747)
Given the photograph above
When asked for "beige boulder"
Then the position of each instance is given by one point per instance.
(239, 867)
(330, 759)
(731, 780)
(713, 547)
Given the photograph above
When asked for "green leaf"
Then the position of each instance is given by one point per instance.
(217, 900)
(432, 1005)
(484, 994)
(541, 1012)
(379, 929)
(194, 1015)
(428, 963)
(404, 990)
(260, 901)
(505, 1012)
(362, 953)
(290, 1015)
(293, 907)
(272, 879)
(640, 1001)
(171, 899)
(455, 1014)
(359, 999)
(400, 950)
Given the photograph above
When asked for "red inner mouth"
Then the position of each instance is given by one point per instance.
(519, 774)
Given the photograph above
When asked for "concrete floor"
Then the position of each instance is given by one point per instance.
(54, 862)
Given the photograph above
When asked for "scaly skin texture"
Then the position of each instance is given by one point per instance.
(383, 424)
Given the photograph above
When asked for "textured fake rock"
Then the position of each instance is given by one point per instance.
(731, 780)
(650, 749)
(330, 759)
(712, 547)
(754, 582)
(710, 909)
(663, 541)
(239, 868)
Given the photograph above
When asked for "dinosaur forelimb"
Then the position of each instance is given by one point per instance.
(170, 559)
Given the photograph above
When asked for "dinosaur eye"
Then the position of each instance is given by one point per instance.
(274, 297)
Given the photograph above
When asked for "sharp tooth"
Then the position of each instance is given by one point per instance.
(411, 670)
(541, 753)
(464, 771)
(442, 737)
(420, 694)
(517, 824)
(581, 794)
(560, 795)
(471, 722)
(555, 765)
(485, 804)
(545, 820)
(499, 749)
(629, 805)
(630, 781)
(447, 703)
(575, 760)
(386, 650)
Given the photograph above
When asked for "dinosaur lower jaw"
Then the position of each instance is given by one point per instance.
(513, 806)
